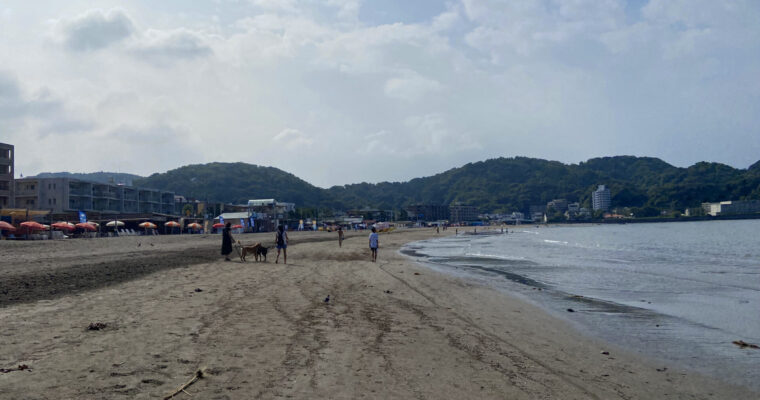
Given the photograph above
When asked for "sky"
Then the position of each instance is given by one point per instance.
(347, 91)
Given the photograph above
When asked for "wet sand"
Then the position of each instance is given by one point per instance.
(392, 329)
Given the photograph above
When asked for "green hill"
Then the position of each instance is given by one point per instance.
(499, 185)
(234, 183)
(102, 177)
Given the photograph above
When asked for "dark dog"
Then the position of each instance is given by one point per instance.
(261, 253)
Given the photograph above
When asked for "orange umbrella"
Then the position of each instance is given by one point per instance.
(218, 225)
(86, 226)
(4, 226)
(172, 224)
(67, 226)
(238, 226)
(32, 226)
(194, 225)
(147, 225)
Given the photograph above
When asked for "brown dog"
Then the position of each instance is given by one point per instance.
(250, 249)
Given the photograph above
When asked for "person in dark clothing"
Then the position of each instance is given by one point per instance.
(281, 240)
(227, 241)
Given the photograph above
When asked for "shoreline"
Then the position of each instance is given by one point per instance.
(394, 329)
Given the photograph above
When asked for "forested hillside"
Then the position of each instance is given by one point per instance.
(502, 184)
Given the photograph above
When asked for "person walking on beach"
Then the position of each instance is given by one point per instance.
(374, 243)
(227, 241)
(340, 236)
(281, 238)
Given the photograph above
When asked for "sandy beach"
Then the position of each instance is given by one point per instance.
(391, 329)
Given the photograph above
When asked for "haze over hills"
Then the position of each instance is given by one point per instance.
(496, 185)
(500, 185)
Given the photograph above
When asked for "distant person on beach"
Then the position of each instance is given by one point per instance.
(340, 236)
(227, 241)
(281, 238)
(374, 243)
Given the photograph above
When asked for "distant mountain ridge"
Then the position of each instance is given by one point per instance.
(498, 185)
(102, 177)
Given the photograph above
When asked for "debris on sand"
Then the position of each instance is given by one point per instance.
(570, 310)
(198, 290)
(96, 326)
(199, 374)
(21, 367)
(742, 344)
(606, 353)
(663, 369)
(388, 292)
(417, 273)
(327, 299)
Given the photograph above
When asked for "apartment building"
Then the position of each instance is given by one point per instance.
(65, 195)
(461, 213)
(601, 198)
(6, 176)
(428, 212)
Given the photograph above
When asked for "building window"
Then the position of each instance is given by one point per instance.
(53, 201)
(49, 186)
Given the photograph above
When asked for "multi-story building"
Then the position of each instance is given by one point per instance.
(559, 205)
(460, 213)
(601, 198)
(732, 207)
(61, 195)
(427, 212)
(6, 176)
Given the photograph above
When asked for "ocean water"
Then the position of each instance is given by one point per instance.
(677, 292)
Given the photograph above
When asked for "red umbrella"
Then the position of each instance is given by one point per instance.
(147, 225)
(238, 226)
(4, 226)
(32, 226)
(194, 225)
(218, 225)
(86, 226)
(63, 226)
(172, 224)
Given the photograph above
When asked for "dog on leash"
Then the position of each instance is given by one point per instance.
(258, 251)
(261, 253)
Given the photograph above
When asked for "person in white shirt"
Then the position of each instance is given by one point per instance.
(374, 243)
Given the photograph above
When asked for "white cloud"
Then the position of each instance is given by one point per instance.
(564, 80)
(293, 139)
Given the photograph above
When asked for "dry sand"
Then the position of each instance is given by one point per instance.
(392, 329)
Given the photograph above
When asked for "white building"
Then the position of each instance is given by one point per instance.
(601, 198)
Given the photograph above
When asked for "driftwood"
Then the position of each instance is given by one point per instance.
(742, 344)
(21, 367)
(198, 375)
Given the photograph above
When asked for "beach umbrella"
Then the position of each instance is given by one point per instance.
(114, 223)
(32, 226)
(64, 226)
(45, 227)
(172, 224)
(194, 225)
(4, 226)
(147, 225)
(238, 226)
(95, 224)
(86, 226)
(218, 225)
